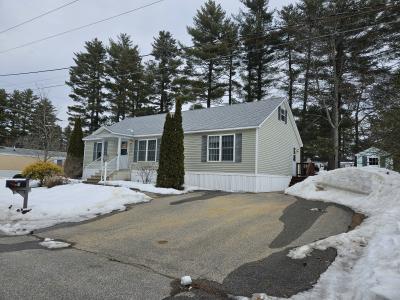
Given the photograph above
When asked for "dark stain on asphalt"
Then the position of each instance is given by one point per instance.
(206, 196)
(298, 218)
(279, 275)
(30, 245)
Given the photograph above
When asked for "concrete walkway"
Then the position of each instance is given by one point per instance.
(136, 254)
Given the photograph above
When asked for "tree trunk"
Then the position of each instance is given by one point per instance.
(291, 76)
(259, 79)
(209, 89)
(230, 78)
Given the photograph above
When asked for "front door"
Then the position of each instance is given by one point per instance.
(98, 150)
(123, 163)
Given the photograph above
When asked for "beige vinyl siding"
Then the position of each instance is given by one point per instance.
(112, 150)
(276, 141)
(193, 161)
(88, 153)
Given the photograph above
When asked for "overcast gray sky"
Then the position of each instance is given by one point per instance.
(143, 25)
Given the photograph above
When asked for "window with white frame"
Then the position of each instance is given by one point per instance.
(221, 147)
(147, 150)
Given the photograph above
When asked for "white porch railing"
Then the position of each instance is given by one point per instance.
(109, 168)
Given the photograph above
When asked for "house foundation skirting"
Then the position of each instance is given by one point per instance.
(236, 182)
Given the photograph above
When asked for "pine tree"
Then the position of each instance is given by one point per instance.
(21, 110)
(165, 165)
(231, 42)
(288, 51)
(74, 162)
(258, 43)
(164, 70)
(124, 78)
(87, 84)
(179, 148)
(203, 58)
(171, 172)
(4, 116)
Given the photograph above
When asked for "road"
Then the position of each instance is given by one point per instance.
(229, 243)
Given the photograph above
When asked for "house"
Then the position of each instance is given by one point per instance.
(374, 157)
(250, 147)
(14, 160)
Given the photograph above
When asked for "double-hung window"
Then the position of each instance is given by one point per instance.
(147, 150)
(221, 148)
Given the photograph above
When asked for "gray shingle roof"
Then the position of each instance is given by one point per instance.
(222, 117)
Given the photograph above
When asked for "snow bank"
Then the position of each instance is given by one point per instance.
(66, 203)
(151, 188)
(368, 261)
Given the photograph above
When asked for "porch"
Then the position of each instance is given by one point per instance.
(107, 156)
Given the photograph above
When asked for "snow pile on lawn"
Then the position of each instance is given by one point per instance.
(368, 261)
(148, 187)
(65, 203)
(52, 244)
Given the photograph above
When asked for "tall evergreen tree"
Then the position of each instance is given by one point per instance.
(124, 78)
(207, 67)
(258, 40)
(74, 162)
(164, 71)
(87, 84)
(4, 116)
(22, 104)
(171, 170)
(231, 42)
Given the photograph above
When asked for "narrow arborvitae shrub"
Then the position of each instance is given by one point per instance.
(171, 164)
(74, 162)
(179, 151)
(40, 170)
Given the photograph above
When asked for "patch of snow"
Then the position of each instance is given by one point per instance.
(368, 261)
(52, 244)
(65, 203)
(148, 187)
(367, 266)
(186, 280)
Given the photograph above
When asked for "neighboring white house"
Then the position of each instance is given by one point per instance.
(251, 147)
(374, 157)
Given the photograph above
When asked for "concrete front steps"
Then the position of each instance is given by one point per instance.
(116, 175)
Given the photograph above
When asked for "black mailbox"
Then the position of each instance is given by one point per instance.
(14, 184)
(20, 186)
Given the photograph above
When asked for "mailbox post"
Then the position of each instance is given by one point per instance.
(20, 186)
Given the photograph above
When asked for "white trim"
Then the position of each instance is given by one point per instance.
(220, 148)
(256, 158)
(89, 138)
(147, 150)
(119, 152)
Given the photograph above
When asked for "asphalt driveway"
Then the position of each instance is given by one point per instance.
(229, 243)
